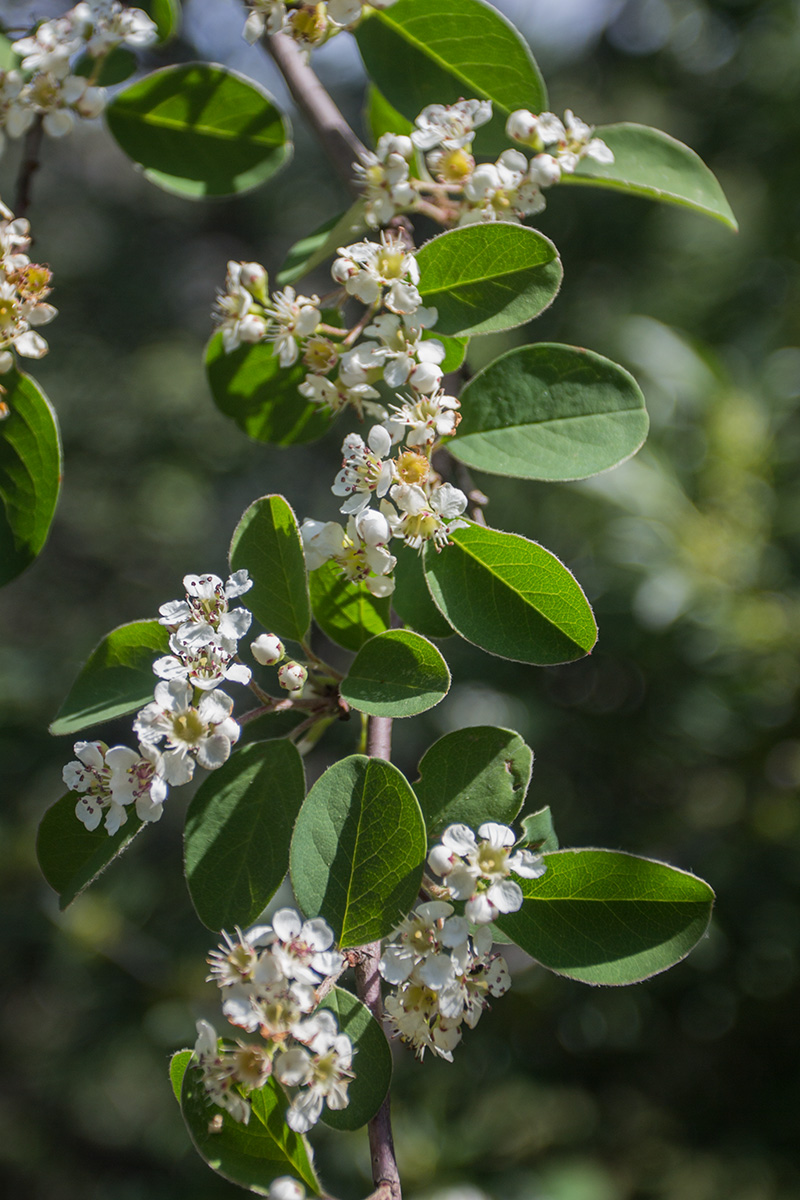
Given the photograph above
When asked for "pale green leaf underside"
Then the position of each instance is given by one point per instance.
(200, 130)
(605, 917)
(422, 52)
(358, 849)
(266, 542)
(116, 679)
(550, 412)
(396, 674)
(30, 473)
(650, 163)
(486, 278)
(511, 597)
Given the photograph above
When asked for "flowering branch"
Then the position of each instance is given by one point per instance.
(337, 138)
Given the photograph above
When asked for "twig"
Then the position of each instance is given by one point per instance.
(28, 167)
(336, 137)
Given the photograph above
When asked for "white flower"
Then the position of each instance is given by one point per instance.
(425, 518)
(384, 179)
(336, 395)
(365, 268)
(205, 733)
(364, 473)
(427, 418)
(268, 16)
(204, 666)
(219, 1073)
(360, 551)
(424, 940)
(204, 615)
(451, 126)
(478, 871)
(109, 780)
(292, 317)
(286, 1188)
(323, 1075)
(303, 948)
(239, 309)
(267, 649)
(292, 676)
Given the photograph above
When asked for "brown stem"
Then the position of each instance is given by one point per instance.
(28, 167)
(335, 135)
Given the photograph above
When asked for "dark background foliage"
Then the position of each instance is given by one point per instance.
(677, 739)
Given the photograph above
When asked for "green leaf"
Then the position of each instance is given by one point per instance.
(323, 243)
(250, 386)
(346, 612)
(30, 473)
(177, 1069)
(486, 278)
(473, 775)
(650, 163)
(238, 832)
(381, 117)
(166, 14)
(605, 917)
(550, 412)
(411, 599)
(252, 1155)
(372, 1061)
(396, 674)
(422, 52)
(8, 59)
(200, 130)
(117, 66)
(116, 679)
(266, 542)
(538, 831)
(358, 849)
(511, 597)
(71, 856)
(455, 349)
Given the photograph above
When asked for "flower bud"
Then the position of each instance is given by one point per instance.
(286, 1188)
(522, 126)
(267, 649)
(254, 277)
(292, 675)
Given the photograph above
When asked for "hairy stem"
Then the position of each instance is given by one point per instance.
(336, 137)
(385, 1175)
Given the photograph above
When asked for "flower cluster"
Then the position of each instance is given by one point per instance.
(443, 978)
(188, 721)
(24, 288)
(246, 313)
(310, 24)
(48, 84)
(478, 871)
(457, 190)
(268, 977)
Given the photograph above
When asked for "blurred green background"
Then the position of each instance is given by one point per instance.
(678, 739)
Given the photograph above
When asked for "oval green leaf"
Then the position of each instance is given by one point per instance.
(116, 679)
(323, 243)
(250, 386)
(396, 674)
(71, 856)
(411, 599)
(550, 412)
(372, 1061)
(30, 473)
(422, 52)
(648, 162)
(358, 849)
(116, 67)
(473, 775)
(511, 597)
(605, 917)
(346, 612)
(266, 542)
(200, 130)
(252, 1155)
(486, 278)
(238, 832)
(538, 830)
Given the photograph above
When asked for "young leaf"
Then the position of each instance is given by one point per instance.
(266, 542)
(200, 130)
(358, 849)
(538, 831)
(250, 386)
(396, 674)
(550, 412)
(511, 597)
(238, 832)
(605, 917)
(30, 473)
(252, 1155)
(177, 1069)
(323, 243)
(486, 278)
(473, 775)
(650, 163)
(441, 51)
(116, 679)
(71, 856)
(346, 612)
(411, 599)
(372, 1061)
